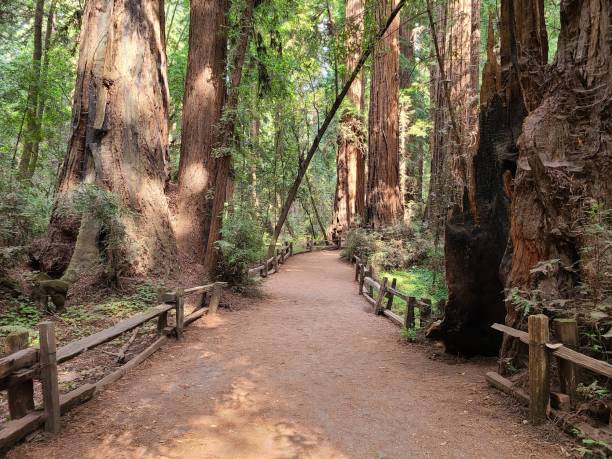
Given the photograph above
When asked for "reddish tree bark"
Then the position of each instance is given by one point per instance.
(223, 183)
(563, 164)
(119, 141)
(383, 198)
(349, 200)
(201, 130)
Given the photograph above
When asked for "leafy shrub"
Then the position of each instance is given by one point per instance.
(241, 245)
(24, 214)
(360, 242)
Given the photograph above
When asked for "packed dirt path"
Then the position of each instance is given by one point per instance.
(305, 372)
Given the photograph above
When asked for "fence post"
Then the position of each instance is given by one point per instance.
(180, 312)
(409, 314)
(291, 248)
(361, 278)
(216, 298)
(391, 295)
(309, 245)
(424, 310)
(20, 395)
(264, 272)
(539, 368)
(381, 296)
(48, 375)
(162, 320)
(357, 269)
(371, 276)
(275, 262)
(567, 332)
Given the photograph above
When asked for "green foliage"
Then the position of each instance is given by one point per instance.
(360, 242)
(240, 247)
(24, 214)
(593, 391)
(22, 314)
(409, 334)
(419, 282)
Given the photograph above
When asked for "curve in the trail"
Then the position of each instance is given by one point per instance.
(306, 371)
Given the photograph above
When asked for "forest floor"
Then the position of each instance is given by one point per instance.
(306, 371)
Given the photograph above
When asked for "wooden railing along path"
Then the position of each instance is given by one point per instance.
(383, 301)
(542, 402)
(271, 265)
(19, 369)
(539, 398)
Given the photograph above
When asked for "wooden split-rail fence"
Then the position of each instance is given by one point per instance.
(542, 401)
(19, 369)
(387, 292)
(286, 250)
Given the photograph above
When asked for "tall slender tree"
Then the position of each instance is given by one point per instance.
(383, 195)
(223, 183)
(349, 200)
(205, 93)
(31, 118)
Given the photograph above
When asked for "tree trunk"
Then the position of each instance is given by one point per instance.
(383, 198)
(350, 163)
(563, 166)
(201, 129)
(31, 123)
(42, 98)
(476, 241)
(119, 142)
(223, 182)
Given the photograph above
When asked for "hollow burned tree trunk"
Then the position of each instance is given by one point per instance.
(119, 141)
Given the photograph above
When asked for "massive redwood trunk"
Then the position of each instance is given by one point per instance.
(201, 130)
(349, 200)
(383, 195)
(119, 143)
(563, 166)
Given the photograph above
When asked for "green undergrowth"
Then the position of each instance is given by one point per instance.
(78, 320)
(419, 283)
(120, 307)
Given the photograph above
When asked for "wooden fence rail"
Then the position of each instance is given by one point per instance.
(368, 285)
(542, 401)
(19, 369)
(285, 251)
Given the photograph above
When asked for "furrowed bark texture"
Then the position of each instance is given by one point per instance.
(477, 252)
(411, 148)
(119, 139)
(383, 195)
(201, 129)
(223, 181)
(563, 164)
(349, 200)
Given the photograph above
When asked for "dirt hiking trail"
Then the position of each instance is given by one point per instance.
(305, 372)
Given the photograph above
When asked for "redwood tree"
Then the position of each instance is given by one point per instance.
(201, 130)
(383, 195)
(119, 143)
(563, 165)
(349, 200)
